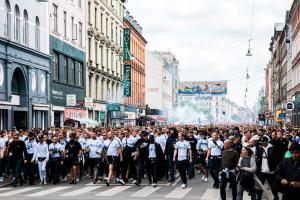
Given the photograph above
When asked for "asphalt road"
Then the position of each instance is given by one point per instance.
(85, 189)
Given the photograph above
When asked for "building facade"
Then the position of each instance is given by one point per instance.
(68, 68)
(24, 65)
(104, 73)
(135, 102)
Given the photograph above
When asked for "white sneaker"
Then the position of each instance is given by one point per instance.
(121, 181)
(65, 179)
(205, 180)
(77, 180)
(42, 182)
(1, 178)
(154, 185)
(203, 177)
(45, 182)
(183, 186)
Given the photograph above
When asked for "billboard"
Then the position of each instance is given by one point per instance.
(203, 87)
(127, 80)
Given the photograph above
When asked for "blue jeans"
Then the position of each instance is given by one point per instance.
(171, 167)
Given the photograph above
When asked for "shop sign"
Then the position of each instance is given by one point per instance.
(102, 116)
(74, 114)
(100, 107)
(71, 100)
(127, 80)
(113, 107)
(129, 115)
(126, 38)
(88, 102)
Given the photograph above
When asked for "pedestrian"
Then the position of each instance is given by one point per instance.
(213, 157)
(202, 147)
(288, 174)
(29, 166)
(140, 156)
(55, 159)
(17, 153)
(229, 162)
(154, 155)
(169, 153)
(41, 157)
(193, 143)
(73, 153)
(183, 156)
(245, 178)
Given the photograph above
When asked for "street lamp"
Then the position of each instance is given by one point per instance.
(249, 49)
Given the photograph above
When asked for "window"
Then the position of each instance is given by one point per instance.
(89, 11)
(73, 72)
(112, 32)
(80, 81)
(96, 52)
(112, 61)
(96, 13)
(97, 80)
(55, 18)
(65, 24)
(116, 35)
(80, 3)
(90, 86)
(101, 54)
(73, 29)
(80, 34)
(106, 27)
(55, 65)
(107, 58)
(17, 23)
(101, 22)
(8, 19)
(65, 69)
(37, 34)
(26, 29)
(90, 48)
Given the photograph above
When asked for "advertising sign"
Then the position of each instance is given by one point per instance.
(126, 52)
(127, 80)
(71, 100)
(203, 87)
(88, 102)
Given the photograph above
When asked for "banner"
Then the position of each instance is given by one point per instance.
(127, 80)
(126, 38)
(203, 87)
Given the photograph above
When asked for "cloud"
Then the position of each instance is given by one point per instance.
(210, 37)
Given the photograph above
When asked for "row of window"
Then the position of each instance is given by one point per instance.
(69, 68)
(17, 23)
(115, 33)
(76, 32)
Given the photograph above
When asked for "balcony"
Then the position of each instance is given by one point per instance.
(26, 33)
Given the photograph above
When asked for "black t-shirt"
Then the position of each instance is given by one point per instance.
(18, 149)
(193, 143)
(73, 148)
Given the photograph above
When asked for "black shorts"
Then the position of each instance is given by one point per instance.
(73, 161)
(112, 160)
(201, 159)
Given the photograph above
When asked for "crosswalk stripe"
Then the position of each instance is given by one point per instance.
(176, 182)
(211, 194)
(178, 193)
(81, 191)
(18, 191)
(146, 191)
(46, 192)
(113, 191)
(3, 189)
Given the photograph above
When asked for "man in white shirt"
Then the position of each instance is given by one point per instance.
(213, 157)
(94, 147)
(41, 156)
(183, 153)
(55, 159)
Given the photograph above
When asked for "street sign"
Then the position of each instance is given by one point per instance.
(290, 106)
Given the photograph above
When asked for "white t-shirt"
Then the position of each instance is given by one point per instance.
(182, 150)
(152, 152)
(113, 146)
(130, 141)
(95, 147)
(30, 146)
(58, 147)
(83, 142)
(202, 144)
(161, 140)
(3, 141)
(215, 150)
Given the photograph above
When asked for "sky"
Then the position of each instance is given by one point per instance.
(210, 38)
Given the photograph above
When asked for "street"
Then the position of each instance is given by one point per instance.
(196, 189)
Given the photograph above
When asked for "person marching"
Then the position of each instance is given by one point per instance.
(41, 156)
(29, 165)
(183, 155)
(213, 157)
(154, 155)
(202, 147)
(73, 152)
(55, 159)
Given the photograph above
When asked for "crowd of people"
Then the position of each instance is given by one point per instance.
(245, 157)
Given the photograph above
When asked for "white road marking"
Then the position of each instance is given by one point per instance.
(18, 191)
(176, 182)
(46, 192)
(146, 191)
(81, 191)
(113, 191)
(211, 194)
(178, 193)
(3, 189)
